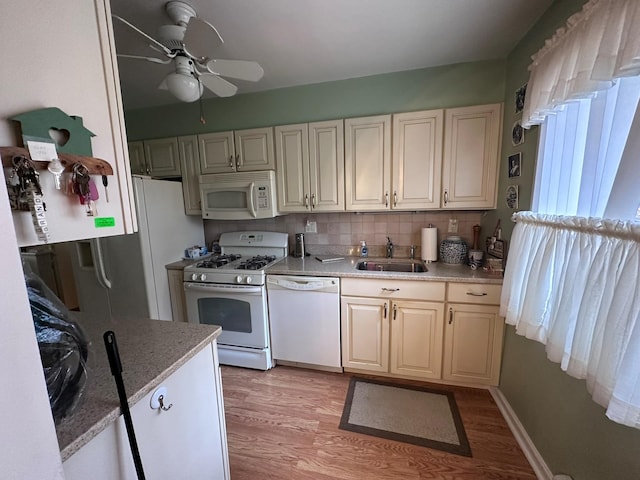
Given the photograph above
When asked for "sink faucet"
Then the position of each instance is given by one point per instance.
(389, 248)
(412, 252)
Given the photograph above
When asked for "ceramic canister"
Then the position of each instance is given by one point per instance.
(453, 250)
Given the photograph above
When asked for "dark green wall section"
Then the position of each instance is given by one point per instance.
(570, 431)
(448, 86)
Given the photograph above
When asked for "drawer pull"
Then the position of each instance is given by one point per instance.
(483, 294)
(390, 289)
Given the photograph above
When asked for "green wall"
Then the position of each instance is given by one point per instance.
(448, 86)
(570, 431)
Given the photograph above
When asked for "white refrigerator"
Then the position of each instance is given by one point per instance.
(125, 276)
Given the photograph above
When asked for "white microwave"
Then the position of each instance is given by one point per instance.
(238, 196)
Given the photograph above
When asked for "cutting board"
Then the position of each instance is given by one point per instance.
(329, 258)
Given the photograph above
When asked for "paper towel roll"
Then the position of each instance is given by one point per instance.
(429, 249)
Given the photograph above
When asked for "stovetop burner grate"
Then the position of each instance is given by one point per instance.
(218, 261)
(256, 263)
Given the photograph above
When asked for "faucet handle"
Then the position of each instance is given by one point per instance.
(412, 253)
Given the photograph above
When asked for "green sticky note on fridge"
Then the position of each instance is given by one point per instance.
(102, 222)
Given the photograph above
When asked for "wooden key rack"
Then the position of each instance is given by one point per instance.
(96, 166)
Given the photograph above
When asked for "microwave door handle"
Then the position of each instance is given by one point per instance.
(252, 207)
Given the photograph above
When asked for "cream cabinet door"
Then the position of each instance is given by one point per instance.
(217, 152)
(473, 344)
(416, 339)
(417, 160)
(471, 157)
(176, 293)
(365, 333)
(254, 149)
(326, 165)
(292, 172)
(190, 167)
(162, 157)
(136, 159)
(368, 163)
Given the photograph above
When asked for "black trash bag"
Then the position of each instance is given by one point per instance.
(63, 348)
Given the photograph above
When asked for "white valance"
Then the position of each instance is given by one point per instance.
(598, 44)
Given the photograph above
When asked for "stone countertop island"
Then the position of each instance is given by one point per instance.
(150, 351)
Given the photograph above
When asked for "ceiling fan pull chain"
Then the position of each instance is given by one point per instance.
(202, 119)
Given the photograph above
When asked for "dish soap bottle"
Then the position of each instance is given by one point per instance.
(364, 250)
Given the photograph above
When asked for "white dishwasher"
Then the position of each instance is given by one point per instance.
(304, 313)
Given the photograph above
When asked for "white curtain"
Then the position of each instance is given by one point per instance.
(571, 283)
(598, 44)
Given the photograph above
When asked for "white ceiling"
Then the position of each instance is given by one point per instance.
(301, 42)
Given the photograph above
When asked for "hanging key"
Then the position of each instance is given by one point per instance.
(57, 169)
(105, 183)
(81, 180)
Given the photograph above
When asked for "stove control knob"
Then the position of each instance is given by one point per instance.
(203, 277)
(248, 280)
(194, 276)
(239, 279)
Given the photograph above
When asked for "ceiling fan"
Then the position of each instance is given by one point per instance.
(187, 44)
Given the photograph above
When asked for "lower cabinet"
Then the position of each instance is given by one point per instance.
(187, 441)
(394, 330)
(404, 328)
(176, 294)
(473, 344)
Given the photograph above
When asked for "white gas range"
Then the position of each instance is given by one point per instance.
(229, 290)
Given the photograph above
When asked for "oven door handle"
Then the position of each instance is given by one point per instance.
(212, 288)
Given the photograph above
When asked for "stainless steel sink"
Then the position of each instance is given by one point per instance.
(391, 266)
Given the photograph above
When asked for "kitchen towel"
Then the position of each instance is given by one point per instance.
(429, 250)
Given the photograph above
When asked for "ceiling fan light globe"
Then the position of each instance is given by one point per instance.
(184, 87)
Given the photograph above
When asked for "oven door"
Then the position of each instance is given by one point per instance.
(240, 310)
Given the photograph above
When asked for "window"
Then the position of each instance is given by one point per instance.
(571, 281)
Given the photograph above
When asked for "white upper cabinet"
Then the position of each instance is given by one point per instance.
(190, 167)
(471, 154)
(310, 166)
(239, 151)
(162, 157)
(368, 163)
(417, 160)
(136, 158)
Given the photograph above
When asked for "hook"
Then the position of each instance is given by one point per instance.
(161, 402)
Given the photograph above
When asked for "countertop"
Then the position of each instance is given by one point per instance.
(150, 351)
(437, 271)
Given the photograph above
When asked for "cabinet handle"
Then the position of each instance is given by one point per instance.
(395, 199)
(238, 161)
(231, 161)
(446, 197)
(386, 199)
(477, 294)
(313, 200)
(395, 311)
(306, 201)
(390, 289)
(450, 316)
(385, 310)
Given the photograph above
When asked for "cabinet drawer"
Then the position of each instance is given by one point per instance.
(474, 293)
(381, 288)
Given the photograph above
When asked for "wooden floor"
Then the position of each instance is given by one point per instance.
(283, 424)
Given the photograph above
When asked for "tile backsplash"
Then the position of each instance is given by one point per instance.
(341, 233)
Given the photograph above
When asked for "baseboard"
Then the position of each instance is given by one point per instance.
(536, 461)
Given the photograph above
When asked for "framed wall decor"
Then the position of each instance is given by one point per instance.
(517, 134)
(511, 197)
(515, 166)
(520, 97)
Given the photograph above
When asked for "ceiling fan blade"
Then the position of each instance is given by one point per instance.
(240, 69)
(218, 85)
(149, 59)
(200, 38)
(164, 49)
